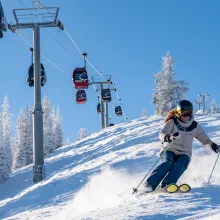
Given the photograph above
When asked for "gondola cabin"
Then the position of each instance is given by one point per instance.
(30, 79)
(3, 21)
(99, 108)
(80, 78)
(106, 95)
(118, 110)
(81, 97)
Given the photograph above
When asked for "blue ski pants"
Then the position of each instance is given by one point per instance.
(170, 170)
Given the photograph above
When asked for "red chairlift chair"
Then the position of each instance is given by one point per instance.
(80, 78)
(81, 97)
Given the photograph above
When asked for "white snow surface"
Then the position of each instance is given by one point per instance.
(94, 178)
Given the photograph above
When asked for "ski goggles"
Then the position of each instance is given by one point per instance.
(185, 113)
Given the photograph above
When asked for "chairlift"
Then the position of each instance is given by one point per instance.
(99, 108)
(106, 95)
(81, 97)
(30, 79)
(80, 78)
(3, 21)
(118, 110)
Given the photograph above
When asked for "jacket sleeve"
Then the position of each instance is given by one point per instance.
(166, 130)
(202, 137)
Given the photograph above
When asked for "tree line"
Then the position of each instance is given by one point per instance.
(16, 144)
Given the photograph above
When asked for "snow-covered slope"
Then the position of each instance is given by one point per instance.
(93, 179)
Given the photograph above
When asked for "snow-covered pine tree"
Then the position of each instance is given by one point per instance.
(48, 126)
(23, 145)
(5, 148)
(82, 133)
(58, 133)
(213, 107)
(29, 131)
(68, 141)
(2, 153)
(168, 91)
(144, 113)
(20, 156)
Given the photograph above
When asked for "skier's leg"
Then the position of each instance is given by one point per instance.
(160, 172)
(178, 169)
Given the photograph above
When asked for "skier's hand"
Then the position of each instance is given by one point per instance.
(215, 147)
(173, 137)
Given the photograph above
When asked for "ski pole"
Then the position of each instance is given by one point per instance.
(135, 189)
(213, 167)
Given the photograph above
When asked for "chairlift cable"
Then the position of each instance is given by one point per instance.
(72, 41)
(80, 51)
(41, 54)
(60, 44)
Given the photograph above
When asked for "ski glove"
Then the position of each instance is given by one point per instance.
(215, 147)
(169, 138)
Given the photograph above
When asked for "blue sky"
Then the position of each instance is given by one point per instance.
(125, 39)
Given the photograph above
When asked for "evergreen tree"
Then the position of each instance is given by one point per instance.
(168, 91)
(3, 155)
(20, 157)
(82, 134)
(144, 113)
(29, 131)
(23, 145)
(5, 148)
(213, 107)
(68, 141)
(48, 127)
(58, 133)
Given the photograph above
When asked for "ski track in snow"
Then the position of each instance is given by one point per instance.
(93, 179)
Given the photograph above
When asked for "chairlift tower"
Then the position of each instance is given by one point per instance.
(202, 101)
(36, 18)
(96, 80)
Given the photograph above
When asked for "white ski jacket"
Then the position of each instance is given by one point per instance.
(188, 132)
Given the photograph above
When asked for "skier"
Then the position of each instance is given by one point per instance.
(180, 129)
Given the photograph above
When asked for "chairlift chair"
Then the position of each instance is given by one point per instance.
(106, 95)
(81, 96)
(30, 79)
(80, 78)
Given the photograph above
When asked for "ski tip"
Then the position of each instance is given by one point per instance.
(172, 188)
(184, 188)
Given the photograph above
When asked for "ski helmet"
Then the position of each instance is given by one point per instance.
(184, 105)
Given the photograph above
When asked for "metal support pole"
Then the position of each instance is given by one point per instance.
(102, 110)
(38, 167)
(106, 115)
(38, 22)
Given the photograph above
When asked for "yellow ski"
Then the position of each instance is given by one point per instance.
(184, 188)
(172, 188)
